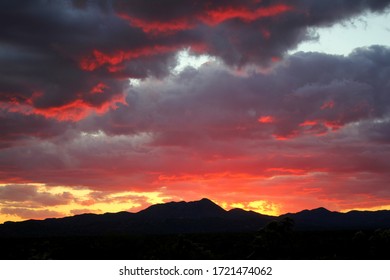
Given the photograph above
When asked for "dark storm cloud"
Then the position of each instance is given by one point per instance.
(242, 32)
(39, 68)
(42, 46)
(53, 54)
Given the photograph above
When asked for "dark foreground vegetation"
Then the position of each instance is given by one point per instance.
(275, 241)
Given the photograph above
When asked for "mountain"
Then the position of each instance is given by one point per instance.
(173, 217)
(201, 216)
(323, 219)
(201, 209)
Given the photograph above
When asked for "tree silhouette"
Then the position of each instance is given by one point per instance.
(275, 240)
(380, 244)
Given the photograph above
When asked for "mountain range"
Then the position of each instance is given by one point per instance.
(201, 216)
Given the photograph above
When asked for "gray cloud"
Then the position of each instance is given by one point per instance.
(333, 113)
(322, 90)
(30, 194)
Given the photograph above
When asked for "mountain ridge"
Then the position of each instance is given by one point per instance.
(202, 216)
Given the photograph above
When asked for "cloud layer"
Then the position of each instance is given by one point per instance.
(71, 59)
(274, 130)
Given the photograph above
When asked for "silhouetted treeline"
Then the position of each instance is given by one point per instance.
(272, 242)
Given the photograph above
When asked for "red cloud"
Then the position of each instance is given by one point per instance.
(266, 119)
(157, 26)
(333, 125)
(309, 123)
(79, 109)
(99, 88)
(214, 17)
(211, 17)
(328, 105)
(73, 111)
(98, 58)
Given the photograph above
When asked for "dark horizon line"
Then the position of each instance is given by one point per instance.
(320, 208)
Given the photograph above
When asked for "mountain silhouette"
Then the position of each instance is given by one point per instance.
(173, 217)
(323, 219)
(203, 208)
(201, 216)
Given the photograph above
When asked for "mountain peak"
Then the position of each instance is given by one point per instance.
(194, 209)
(320, 210)
(205, 200)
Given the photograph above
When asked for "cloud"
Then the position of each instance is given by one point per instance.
(377, 130)
(30, 194)
(318, 103)
(17, 129)
(42, 60)
(241, 32)
(54, 55)
(250, 122)
(26, 213)
(309, 93)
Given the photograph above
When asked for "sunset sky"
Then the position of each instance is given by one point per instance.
(271, 106)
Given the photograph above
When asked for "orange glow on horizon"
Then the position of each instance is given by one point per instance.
(260, 206)
(85, 200)
(374, 208)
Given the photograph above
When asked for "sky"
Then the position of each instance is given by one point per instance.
(271, 106)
